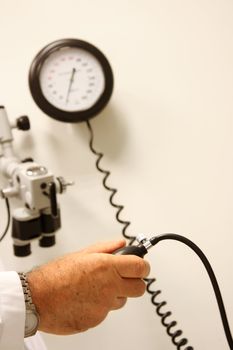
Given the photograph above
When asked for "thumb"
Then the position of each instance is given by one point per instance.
(104, 247)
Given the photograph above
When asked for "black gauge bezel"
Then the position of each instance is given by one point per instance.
(45, 105)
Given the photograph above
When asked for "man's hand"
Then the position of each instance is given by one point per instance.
(76, 292)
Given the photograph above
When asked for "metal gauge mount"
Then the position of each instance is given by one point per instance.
(71, 80)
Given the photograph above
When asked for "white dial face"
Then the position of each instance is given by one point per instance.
(72, 79)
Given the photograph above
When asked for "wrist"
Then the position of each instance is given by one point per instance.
(41, 298)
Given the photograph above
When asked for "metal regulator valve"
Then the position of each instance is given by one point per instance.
(35, 186)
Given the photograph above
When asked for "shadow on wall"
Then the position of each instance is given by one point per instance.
(110, 135)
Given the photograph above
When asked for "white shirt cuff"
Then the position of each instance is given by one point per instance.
(12, 311)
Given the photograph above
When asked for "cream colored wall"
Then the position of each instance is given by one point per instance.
(167, 138)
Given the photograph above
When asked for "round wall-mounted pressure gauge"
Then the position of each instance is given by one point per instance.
(71, 80)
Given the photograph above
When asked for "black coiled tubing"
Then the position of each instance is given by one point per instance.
(164, 315)
(110, 189)
(169, 325)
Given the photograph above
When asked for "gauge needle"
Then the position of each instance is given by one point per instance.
(70, 84)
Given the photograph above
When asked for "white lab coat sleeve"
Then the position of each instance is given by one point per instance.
(12, 312)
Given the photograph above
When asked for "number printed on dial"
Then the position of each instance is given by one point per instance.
(72, 79)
